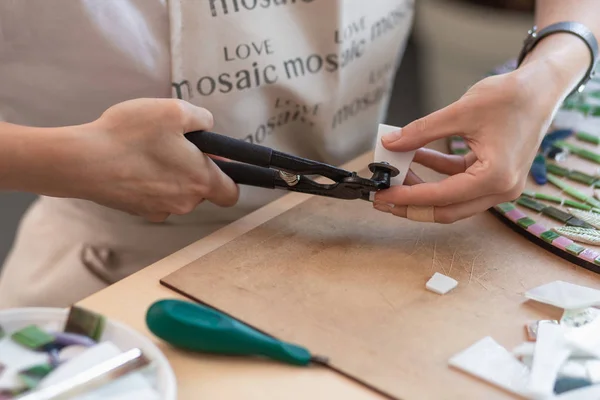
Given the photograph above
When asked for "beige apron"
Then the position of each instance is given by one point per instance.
(310, 77)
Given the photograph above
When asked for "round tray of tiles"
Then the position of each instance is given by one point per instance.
(559, 209)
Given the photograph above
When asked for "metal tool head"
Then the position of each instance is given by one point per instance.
(383, 167)
(382, 174)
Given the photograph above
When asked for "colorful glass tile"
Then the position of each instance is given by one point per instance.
(505, 207)
(85, 322)
(575, 249)
(576, 204)
(562, 242)
(460, 151)
(459, 144)
(549, 236)
(557, 170)
(515, 215)
(525, 222)
(553, 179)
(589, 255)
(593, 202)
(556, 214)
(32, 376)
(537, 229)
(588, 137)
(531, 204)
(32, 337)
(581, 177)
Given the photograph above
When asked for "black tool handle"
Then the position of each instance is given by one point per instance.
(246, 174)
(240, 150)
(234, 149)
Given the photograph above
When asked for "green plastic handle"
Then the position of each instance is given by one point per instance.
(194, 327)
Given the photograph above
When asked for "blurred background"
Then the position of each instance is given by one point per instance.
(454, 43)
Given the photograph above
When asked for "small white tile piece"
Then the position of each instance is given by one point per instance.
(399, 160)
(565, 295)
(491, 362)
(574, 369)
(551, 352)
(585, 338)
(440, 284)
(593, 370)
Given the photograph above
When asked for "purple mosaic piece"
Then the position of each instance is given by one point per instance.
(537, 229)
(459, 145)
(562, 242)
(589, 255)
(515, 215)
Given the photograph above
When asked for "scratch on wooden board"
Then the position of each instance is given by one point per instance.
(387, 301)
(473, 266)
(417, 246)
(452, 261)
(482, 285)
(522, 284)
(433, 260)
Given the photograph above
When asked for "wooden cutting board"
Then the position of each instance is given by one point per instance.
(348, 282)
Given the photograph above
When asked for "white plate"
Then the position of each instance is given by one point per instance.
(121, 335)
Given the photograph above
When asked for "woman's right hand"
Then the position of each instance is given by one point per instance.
(135, 158)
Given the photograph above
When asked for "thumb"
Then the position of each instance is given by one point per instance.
(442, 123)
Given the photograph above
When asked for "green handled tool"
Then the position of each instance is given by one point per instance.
(195, 327)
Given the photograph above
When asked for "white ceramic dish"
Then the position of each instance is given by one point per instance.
(121, 335)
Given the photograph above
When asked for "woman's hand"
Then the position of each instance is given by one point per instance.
(135, 158)
(503, 119)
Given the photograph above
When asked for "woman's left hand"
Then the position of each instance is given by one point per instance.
(503, 119)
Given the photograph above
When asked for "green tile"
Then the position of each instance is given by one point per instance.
(588, 137)
(576, 204)
(556, 181)
(460, 151)
(32, 337)
(581, 177)
(556, 169)
(528, 193)
(525, 222)
(584, 108)
(589, 155)
(505, 207)
(571, 191)
(549, 236)
(2, 333)
(85, 322)
(574, 248)
(593, 202)
(597, 261)
(32, 376)
(595, 112)
(531, 204)
(548, 197)
(556, 214)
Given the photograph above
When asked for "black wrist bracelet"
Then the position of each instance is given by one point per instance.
(574, 28)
